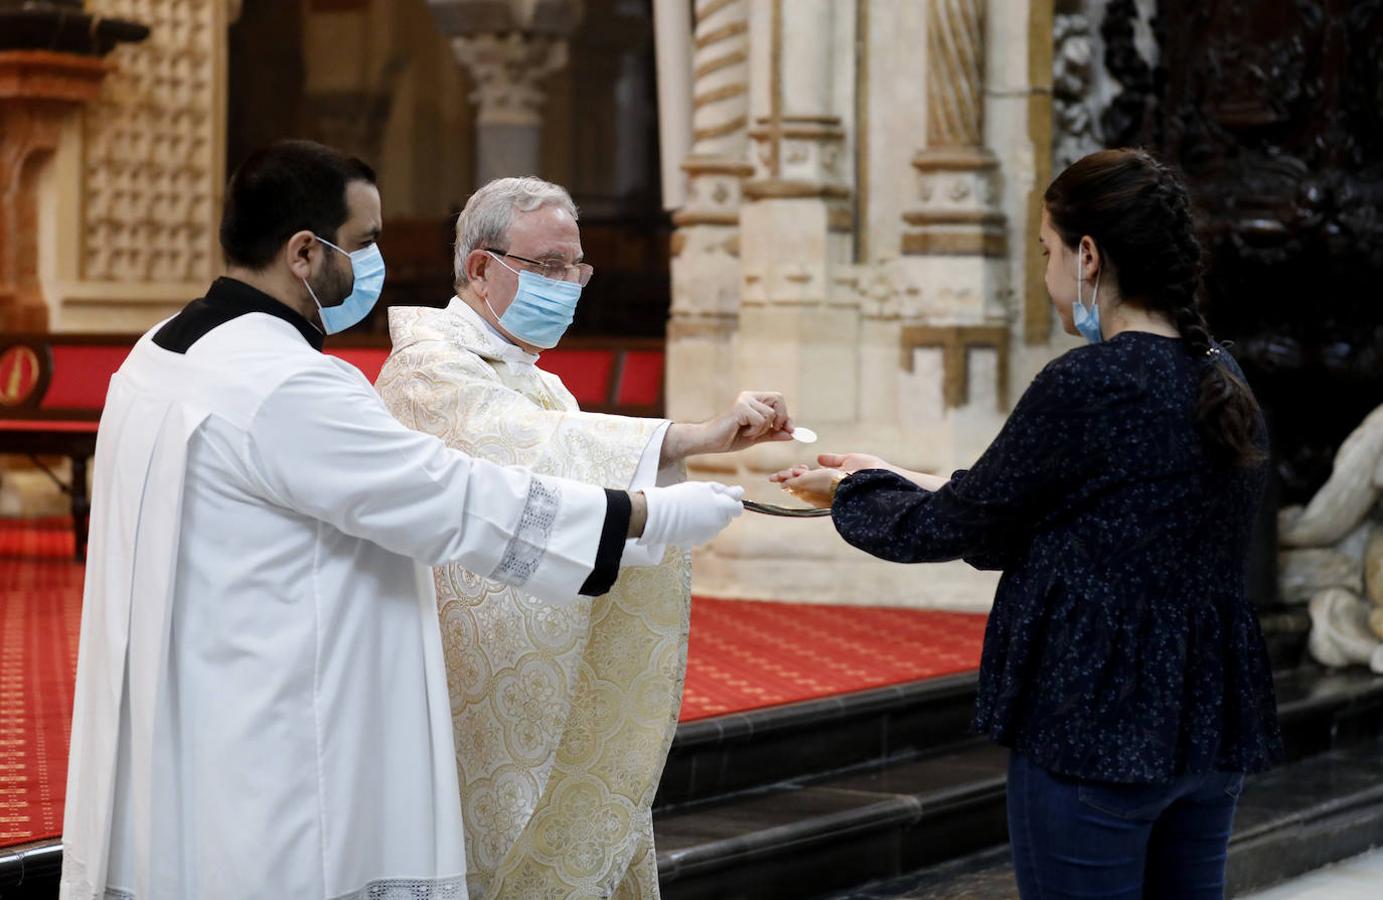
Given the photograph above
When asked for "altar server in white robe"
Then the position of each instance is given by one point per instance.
(563, 719)
(261, 707)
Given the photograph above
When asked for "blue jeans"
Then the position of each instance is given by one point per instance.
(1073, 838)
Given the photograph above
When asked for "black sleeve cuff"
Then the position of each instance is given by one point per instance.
(611, 550)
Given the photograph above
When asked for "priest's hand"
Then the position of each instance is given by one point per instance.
(754, 417)
(815, 487)
(689, 513)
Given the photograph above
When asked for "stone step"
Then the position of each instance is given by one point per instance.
(1290, 821)
(813, 833)
(800, 838)
(714, 757)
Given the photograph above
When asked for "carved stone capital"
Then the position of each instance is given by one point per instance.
(508, 71)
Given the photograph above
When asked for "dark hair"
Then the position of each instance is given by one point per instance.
(1138, 212)
(281, 189)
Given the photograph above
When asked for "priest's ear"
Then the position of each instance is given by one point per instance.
(298, 252)
(477, 267)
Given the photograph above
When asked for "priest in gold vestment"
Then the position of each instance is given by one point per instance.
(562, 716)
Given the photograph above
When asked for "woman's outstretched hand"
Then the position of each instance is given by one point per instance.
(811, 486)
(853, 462)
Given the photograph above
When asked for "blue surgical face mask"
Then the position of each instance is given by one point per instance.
(367, 265)
(542, 308)
(1087, 320)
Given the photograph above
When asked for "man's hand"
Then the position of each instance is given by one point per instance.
(690, 513)
(755, 417)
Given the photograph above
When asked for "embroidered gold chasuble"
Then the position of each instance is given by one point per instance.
(563, 715)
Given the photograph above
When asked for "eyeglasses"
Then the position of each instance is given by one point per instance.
(557, 271)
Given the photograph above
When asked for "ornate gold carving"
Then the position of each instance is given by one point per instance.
(956, 342)
(154, 156)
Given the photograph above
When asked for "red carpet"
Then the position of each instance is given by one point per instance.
(40, 608)
(743, 655)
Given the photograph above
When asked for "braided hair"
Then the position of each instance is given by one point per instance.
(1138, 213)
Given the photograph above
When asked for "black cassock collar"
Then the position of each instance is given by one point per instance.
(228, 299)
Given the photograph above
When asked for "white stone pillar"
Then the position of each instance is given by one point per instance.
(794, 332)
(955, 241)
(705, 247)
(508, 47)
(508, 71)
(789, 334)
(672, 35)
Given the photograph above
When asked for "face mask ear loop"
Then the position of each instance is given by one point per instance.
(1080, 284)
(486, 298)
(313, 294)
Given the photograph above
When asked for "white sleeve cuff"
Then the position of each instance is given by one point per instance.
(647, 475)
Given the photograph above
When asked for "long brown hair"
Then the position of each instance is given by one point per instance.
(1138, 213)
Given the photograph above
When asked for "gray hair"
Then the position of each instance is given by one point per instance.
(488, 214)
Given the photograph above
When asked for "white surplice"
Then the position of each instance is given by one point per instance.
(261, 705)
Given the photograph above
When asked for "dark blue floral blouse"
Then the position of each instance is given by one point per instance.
(1121, 646)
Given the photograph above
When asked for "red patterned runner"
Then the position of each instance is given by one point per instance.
(743, 655)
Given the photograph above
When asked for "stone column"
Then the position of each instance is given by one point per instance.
(795, 215)
(956, 235)
(705, 246)
(508, 47)
(672, 35)
(954, 241)
(508, 71)
(793, 332)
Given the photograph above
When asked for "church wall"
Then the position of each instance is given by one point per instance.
(887, 333)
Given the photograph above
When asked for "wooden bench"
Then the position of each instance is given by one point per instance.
(53, 386)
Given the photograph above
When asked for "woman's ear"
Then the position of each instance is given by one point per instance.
(1088, 259)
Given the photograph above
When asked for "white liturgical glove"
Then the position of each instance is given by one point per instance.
(690, 513)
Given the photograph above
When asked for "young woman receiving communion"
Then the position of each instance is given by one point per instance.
(1123, 663)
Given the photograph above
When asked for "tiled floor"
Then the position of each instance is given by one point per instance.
(1360, 878)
